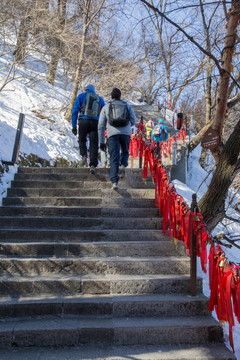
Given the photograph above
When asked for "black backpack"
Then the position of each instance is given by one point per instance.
(91, 107)
(119, 115)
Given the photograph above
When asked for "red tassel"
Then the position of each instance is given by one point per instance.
(145, 165)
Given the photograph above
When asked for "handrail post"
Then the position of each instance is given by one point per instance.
(174, 153)
(193, 251)
(140, 161)
(18, 138)
(140, 158)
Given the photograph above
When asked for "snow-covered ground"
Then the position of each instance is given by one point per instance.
(50, 137)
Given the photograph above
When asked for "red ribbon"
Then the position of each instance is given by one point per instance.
(224, 279)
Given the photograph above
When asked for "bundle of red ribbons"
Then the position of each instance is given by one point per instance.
(224, 277)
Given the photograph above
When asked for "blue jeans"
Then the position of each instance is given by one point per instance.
(117, 143)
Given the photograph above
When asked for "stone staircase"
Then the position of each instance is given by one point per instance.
(151, 111)
(86, 273)
(175, 171)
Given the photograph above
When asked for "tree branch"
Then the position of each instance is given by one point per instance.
(185, 33)
(235, 100)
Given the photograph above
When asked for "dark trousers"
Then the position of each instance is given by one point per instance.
(89, 126)
(117, 143)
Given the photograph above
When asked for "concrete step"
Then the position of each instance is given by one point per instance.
(103, 352)
(85, 267)
(80, 174)
(93, 266)
(53, 285)
(102, 249)
(71, 170)
(42, 235)
(116, 331)
(123, 184)
(103, 177)
(18, 211)
(48, 192)
(117, 202)
(95, 223)
(105, 305)
(60, 176)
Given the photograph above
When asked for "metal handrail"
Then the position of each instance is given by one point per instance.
(17, 141)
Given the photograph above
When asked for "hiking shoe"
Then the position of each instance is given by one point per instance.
(122, 171)
(93, 170)
(115, 186)
(83, 161)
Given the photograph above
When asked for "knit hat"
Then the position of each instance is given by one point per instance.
(90, 87)
(160, 121)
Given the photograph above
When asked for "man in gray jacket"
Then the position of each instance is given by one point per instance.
(117, 117)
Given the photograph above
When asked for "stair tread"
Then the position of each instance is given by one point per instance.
(51, 309)
(7, 300)
(109, 277)
(77, 322)
(91, 243)
(99, 258)
(85, 230)
(137, 352)
(47, 170)
(85, 218)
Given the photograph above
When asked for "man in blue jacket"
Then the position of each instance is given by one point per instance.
(88, 105)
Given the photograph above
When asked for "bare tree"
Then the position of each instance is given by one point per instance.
(57, 41)
(40, 16)
(208, 87)
(212, 203)
(90, 10)
(152, 80)
(225, 73)
(8, 13)
(24, 26)
(227, 156)
(169, 51)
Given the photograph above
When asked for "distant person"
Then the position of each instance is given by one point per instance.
(149, 127)
(117, 117)
(159, 132)
(105, 157)
(86, 110)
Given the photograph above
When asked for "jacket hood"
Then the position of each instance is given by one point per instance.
(161, 121)
(90, 87)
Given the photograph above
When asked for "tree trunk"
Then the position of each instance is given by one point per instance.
(208, 91)
(20, 50)
(202, 159)
(87, 20)
(40, 16)
(194, 143)
(227, 55)
(213, 201)
(77, 77)
(56, 54)
(52, 68)
(208, 98)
